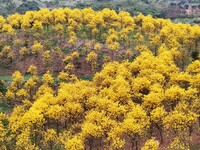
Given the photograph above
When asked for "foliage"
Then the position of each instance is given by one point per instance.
(143, 80)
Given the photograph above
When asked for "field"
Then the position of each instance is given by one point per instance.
(79, 79)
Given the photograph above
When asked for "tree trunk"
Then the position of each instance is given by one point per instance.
(190, 130)
(136, 145)
(90, 143)
(51, 145)
(160, 132)
(199, 121)
(132, 145)
(57, 127)
(150, 130)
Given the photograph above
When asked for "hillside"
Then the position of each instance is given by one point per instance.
(179, 10)
(80, 79)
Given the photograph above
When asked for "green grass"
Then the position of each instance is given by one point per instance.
(86, 78)
(4, 67)
(4, 107)
(7, 78)
(66, 51)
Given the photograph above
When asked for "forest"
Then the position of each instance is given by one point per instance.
(80, 79)
(187, 11)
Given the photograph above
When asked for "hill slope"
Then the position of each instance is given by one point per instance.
(158, 8)
(144, 87)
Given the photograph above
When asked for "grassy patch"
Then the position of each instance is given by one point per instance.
(86, 78)
(6, 67)
(7, 78)
(4, 107)
(66, 51)
(26, 77)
